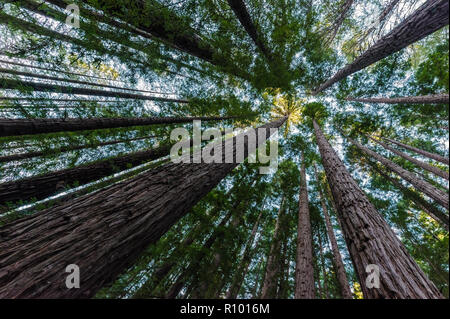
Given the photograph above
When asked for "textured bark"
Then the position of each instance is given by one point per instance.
(43, 186)
(337, 258)
(56, 78)
(103, 232)
(22, 156)
(433, 156)
(11, 84)
(435, 170)
(436, 194)
(369, 238)
(240, 10)
(14, 127)
(426, 99)
(304, 269)
(430, 209)
(430, 17)
(269, 288)
(239, 275)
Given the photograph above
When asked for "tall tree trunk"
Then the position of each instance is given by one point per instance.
(240, 10)
(14, 127)
(426, 99)
(428, 189)
(304, 270)
(22, 156)
(239, 275)
(341, 276)
(43, 186)
(430, 17)
(435, 170)
(104, 232)
(11, 84)
(369, 238)
(324, 271)
(430, 209)
(436, 157)
(269, 288)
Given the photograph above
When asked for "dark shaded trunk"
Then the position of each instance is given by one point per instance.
(433, 156)
(15, 127)
(439, 196)
(341, 276)
(269, 288)
(103, 232)
(240, 10)
(430, 17)
(10, 84)
(435, 170)
(430, 209)
(22, 156)
(304, 270)
(426, 99)
(369, 238)
(324, 270)
(46, 185)
(240, 273)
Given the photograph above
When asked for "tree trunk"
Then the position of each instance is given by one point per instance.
(240, 10)
(427, 99)
(338, 23)
(304, 270)
(104, 232)
(269, 289)
(369, 238)
(239, 275)
(22, 156)
(324, 271)
(436, 157)
(337, 258)
(43, 186)
(428, 189)
(430, 17)
(435, 170)
(430, 209)
(15, 127)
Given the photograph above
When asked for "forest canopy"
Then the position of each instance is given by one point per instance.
(355, 207)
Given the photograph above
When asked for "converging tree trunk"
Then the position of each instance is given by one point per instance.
(433, 169)
(430, 17)
(439, 196)
(304, 270)
(22, 156)
(436, 157)
(14, 127)
(43, 186)
(104, 232)
(371, 242)
(337, 258)
(427, 99)
(269, 288)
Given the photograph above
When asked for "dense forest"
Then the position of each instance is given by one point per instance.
(356, 206)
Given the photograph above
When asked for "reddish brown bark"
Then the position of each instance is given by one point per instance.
(103, 232)
(304, 270)
(337, 258)
(369, 238)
